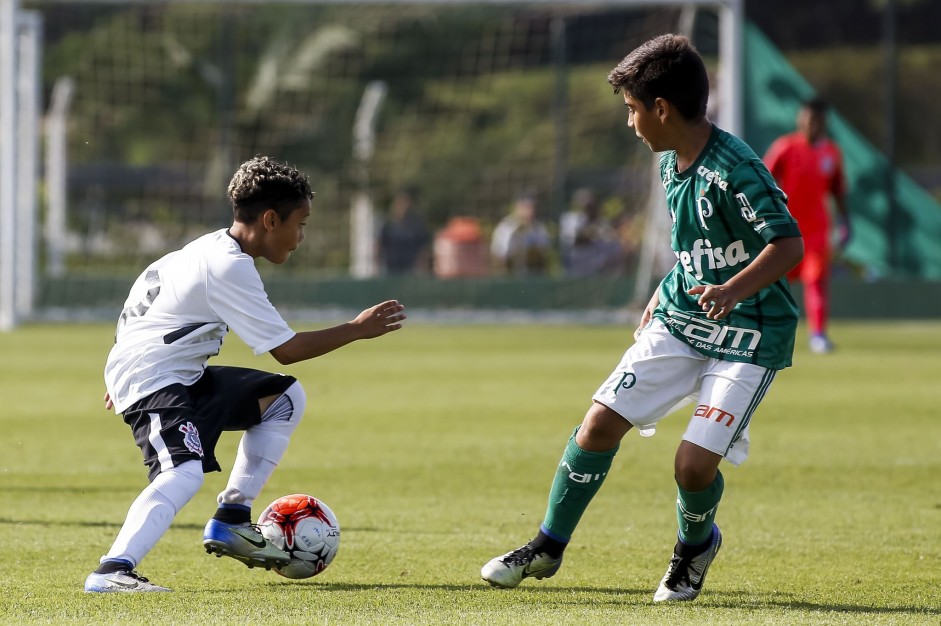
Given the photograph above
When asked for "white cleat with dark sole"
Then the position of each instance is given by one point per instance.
(120, 582)
(509, 570)
(685, 576)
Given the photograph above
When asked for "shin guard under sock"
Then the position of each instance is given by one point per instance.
(696, 511)
(577, 480)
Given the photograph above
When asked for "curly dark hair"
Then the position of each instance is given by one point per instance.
(668, 67)
(262, 183)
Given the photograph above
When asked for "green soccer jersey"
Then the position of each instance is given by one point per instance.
(725, 209)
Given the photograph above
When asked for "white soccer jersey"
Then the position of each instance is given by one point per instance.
(178, 312)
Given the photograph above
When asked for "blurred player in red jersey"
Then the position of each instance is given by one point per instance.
(808, 166)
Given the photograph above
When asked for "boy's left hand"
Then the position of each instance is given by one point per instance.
(383, 318)
(716, 300)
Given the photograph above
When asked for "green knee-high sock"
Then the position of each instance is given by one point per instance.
(696, 511)
(576, 482)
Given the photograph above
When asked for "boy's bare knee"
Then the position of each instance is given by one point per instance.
(601, 430)
(695, 467)
(693, 479)
(264, 403)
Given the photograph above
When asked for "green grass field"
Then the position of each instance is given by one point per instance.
(435, 447)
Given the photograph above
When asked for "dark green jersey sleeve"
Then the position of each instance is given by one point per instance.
(761, 202)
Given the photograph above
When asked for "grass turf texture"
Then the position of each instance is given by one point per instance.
(436, 446)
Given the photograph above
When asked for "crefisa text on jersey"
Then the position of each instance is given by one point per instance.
(712, 176)
(716, 258)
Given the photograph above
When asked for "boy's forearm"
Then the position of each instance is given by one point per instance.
(778, 257)
(378, 320)
(313, 343)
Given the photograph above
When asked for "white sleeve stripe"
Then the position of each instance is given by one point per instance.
(163, 454)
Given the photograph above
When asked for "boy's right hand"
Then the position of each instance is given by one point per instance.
(648, 313)
(644, 320)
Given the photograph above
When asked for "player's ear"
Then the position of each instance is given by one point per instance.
(662, 108)
(269, 219)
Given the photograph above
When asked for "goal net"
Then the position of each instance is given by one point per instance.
(150, 106)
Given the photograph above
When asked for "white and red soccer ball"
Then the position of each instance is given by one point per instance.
(305, 528)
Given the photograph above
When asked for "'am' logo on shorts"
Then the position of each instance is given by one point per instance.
(714, 413)
(191, 438)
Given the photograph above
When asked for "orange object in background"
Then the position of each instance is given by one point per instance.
(460, 250)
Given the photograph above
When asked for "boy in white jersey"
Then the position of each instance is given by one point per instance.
(175, 318)
(716, 330)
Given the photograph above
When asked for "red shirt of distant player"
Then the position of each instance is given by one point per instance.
(808, 167)
(808, 172)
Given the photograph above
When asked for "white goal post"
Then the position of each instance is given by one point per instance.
(8, 14)
(20, 116)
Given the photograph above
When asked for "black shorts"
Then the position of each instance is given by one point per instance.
(183, 423)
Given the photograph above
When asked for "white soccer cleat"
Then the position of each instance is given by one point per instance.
(126, 581)
(509, 570)
(685, 576)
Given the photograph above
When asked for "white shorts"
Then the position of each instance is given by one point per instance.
(660, 373)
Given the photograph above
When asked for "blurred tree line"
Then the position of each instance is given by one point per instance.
(170, 97)
(813, 25)
(839, 46)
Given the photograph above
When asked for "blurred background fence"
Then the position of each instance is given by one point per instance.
(146, 108)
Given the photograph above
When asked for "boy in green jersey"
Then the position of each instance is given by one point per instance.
(715, 332)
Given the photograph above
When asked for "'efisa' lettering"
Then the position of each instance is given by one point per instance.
(704, 256)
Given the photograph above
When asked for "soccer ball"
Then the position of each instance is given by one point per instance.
(305, 528)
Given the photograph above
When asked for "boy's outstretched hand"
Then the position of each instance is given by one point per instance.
(380, 319)
(375, 321)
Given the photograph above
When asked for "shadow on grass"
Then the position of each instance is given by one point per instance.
(564, 596)
(625, 597)
(737, 600)
(6, 521)
(71, 490)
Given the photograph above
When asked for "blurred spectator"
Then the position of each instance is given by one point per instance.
(460, 251)
(630, 224)
(808, 166)
(403, 242)
(521, 244)
(590, 245)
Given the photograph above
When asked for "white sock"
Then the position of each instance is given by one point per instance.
(262, 447)
(152, 512)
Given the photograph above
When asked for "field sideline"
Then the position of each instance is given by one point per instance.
(435, 447)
